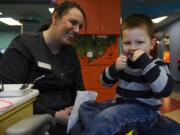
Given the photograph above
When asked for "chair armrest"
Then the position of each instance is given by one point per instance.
(34, 125)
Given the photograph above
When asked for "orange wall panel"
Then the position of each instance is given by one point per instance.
(103, 16)
(106, 94)
(110, 16)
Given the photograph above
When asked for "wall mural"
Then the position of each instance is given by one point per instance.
(93, 47)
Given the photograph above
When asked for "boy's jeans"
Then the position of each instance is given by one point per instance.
(109, 118)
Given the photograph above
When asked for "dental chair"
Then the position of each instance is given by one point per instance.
(34, 125)
(165, 126)
(41, 124)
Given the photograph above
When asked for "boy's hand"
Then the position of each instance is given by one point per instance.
(136, 55)
(121, 62)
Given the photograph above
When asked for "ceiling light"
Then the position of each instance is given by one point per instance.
(51, 10)
(1, 13)
(159, 19)
(10, 21)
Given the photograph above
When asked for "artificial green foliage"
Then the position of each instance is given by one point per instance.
(96, 44)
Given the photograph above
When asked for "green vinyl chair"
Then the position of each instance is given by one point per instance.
(34, 125)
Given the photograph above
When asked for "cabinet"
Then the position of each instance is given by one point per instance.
(91, 79)
(110, 16)
(91, 9)
(92, 71)
(103, 16)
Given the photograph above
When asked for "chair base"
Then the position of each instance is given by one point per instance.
(165, 126)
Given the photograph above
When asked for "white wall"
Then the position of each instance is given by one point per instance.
(6, 38)
(174, 32)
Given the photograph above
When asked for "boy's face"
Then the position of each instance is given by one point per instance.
(136, 39)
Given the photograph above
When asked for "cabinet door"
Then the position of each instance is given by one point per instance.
(103, 16)
(110, 16)
(86, 76)
(91, 9)
(104, 93)
(59, 1)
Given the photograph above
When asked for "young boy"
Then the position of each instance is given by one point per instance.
(142, 81)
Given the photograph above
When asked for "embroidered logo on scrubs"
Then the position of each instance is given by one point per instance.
(44, 65)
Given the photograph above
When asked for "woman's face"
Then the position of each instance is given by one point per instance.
(68, 26)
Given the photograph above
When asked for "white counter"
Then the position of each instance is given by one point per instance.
(22, 108)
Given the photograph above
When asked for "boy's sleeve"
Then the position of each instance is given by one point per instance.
(158, 75)
(109, 76)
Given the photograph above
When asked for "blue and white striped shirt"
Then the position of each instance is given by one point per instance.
(148, 83)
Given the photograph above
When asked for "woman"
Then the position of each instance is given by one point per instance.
(49, 61)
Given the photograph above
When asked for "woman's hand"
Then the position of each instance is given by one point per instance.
(121, 62)
(62, 116)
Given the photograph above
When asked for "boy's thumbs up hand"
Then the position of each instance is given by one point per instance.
(121, 62)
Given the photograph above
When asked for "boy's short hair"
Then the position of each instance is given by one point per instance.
(139, 20)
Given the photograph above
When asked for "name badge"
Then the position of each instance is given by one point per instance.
(44, 65)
